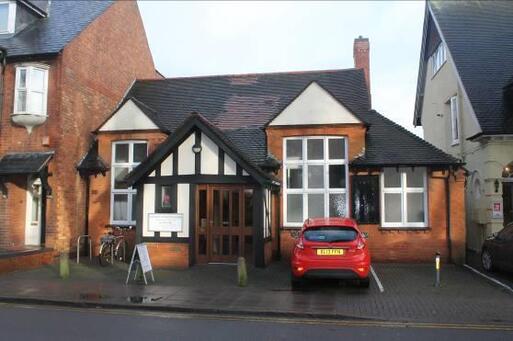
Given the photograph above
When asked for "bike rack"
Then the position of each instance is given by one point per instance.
(90, 247)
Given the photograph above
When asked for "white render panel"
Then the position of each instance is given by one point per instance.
(245, 173)
(152, 174)
(148, 207)
(314, 106)
(166, 167)
(186, 158)
(230, 166)
(209, 156)
(129, 117)
(183, 208)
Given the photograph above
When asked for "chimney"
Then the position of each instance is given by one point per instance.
(361, 57)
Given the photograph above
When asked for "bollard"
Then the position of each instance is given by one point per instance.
(437, 267)
(242, 273)
(64, 265)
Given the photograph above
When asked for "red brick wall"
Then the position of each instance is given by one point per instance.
(169, 255)
(99, 201)
(86, 81)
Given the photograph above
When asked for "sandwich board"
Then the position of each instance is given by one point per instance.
(140, 259)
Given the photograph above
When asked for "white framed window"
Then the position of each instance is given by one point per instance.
(404, 197)
(31, 90)
(315, 178)
(455, 126)
(438, 57)
(126, 155)
(7, 16)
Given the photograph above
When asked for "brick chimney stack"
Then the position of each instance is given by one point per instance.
(361, 57)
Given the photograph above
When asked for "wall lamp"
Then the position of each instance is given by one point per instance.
(196, 148)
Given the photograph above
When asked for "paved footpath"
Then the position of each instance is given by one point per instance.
(409, 294)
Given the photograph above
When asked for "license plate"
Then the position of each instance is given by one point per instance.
(330, 252)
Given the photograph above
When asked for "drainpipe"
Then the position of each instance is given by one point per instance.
(3, 56)
(448, 216)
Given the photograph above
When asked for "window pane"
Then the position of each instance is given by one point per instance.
(139, 152)
(295, 208)
(4, 16)
(392, 177)
(119, 175)
(365, 199)
(36, 102)
(338, 205)
(226, 208)
(22, 78)
(294, 149)
(337, 149)
(393, 207)
(203, 210)
(37, 80)
(315, 176)
(121, 153)
(217, 208)
(295, 176)
(415, 177)
(315, 205)
(337, 176)
(120, 207)
(415, 207)
(248, 207)
(315, 149)
(134, 206)
(21, 104)
(166, 197)
(235, 208)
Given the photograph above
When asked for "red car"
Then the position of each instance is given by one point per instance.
(330, 248)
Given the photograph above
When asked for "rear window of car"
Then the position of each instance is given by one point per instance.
(330, 234)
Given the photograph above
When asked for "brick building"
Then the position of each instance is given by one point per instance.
(66, 64)
(210, 168)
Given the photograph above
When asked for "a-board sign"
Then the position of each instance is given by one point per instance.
(140, 259)
(165, 222)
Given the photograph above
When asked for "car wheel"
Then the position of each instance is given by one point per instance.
(486, 260)
(364, 283)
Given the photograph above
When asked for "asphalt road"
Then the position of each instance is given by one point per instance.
(55, 323)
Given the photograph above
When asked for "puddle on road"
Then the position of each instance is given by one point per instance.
(143, 299)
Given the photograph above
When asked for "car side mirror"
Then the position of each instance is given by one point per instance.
(365, 235)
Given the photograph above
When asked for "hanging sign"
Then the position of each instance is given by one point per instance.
(497, 210)
(140, 259)
(165, 222)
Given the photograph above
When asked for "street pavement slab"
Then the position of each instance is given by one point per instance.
(409, 293)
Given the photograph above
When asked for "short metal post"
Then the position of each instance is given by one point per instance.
(437, 266)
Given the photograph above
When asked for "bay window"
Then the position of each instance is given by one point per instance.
(31, 90)
(315, 177)
(126, 155)
(404, 197)
(7, 16)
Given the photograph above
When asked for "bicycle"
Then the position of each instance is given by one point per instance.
(113, 247)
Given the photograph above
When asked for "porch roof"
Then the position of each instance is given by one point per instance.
(24, 163)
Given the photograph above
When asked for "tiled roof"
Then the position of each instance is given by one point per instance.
(65, 20)
(24, 163)
(242, 105)
(479, 36)
(388, 143)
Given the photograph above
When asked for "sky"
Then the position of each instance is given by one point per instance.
(209, 38)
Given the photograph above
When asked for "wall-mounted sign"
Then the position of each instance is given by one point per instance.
(165, 222)
(497, 210)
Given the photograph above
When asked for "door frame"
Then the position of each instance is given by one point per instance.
(30, 224)
(243, 232)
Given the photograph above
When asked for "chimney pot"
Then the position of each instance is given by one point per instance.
(361, 57)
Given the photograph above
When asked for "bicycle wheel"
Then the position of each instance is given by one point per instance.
(121, 251)
(105, 255)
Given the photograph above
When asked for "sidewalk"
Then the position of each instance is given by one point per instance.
(409, 294)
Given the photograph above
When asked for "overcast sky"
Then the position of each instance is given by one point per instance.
(208, 38)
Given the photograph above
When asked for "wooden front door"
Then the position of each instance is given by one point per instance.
(223, 230)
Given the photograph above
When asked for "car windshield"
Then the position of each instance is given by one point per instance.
(330, 234)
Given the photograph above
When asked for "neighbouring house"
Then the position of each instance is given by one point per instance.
(465, 103)
(211, 168)
(65, 65)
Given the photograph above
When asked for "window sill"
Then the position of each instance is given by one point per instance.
(401, 229)
(291, 227)
(455, 143)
